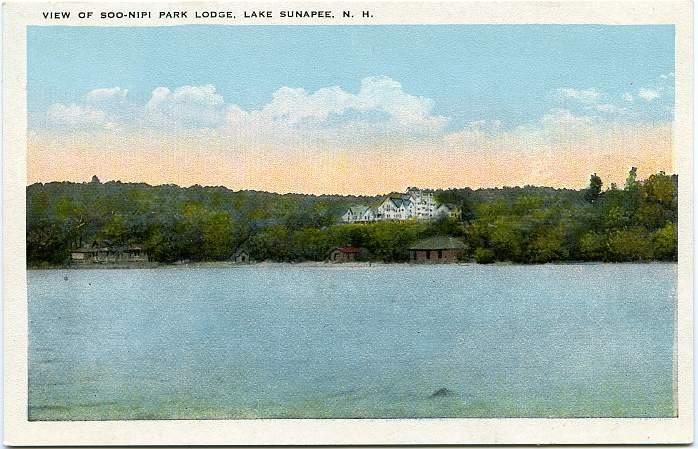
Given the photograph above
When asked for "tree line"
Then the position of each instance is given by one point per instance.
(518, 224)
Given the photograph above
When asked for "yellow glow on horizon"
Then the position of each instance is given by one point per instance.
(509, 160)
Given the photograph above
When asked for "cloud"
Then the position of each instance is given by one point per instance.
(340, 140)
(606, 107)
(101, 108)
(381, 108)
(475, 132)
(556, 127)
(75, 116)
(648, 94)
(583, 102)
(106, 96)
(586, 96)
(610, 109)
(656, 103)
(564, 117)
(185, 107)
(667, 76)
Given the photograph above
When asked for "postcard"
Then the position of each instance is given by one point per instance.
(347, 223)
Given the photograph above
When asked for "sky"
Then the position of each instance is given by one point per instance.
(350, 109)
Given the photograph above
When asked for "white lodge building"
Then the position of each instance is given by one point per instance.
(414, 204)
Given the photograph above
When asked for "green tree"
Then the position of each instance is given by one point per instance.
(484, 255)
(665, 241)
(271, 243)
(631, 182)
(592, 246)
(116, 230)
(549, 245)
(629, 245)
(593, 192)
(218, 236)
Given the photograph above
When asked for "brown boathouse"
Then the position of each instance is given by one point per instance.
(440, 249)
(344, 254)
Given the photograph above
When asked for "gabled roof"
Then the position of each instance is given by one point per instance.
(96, 248)
(438, 242)
(84, 250)
(396, 200)
(357, 209)
(348, 249)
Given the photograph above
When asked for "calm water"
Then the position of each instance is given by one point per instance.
(381, 341)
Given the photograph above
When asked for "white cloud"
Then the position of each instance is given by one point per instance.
(592, 104)
(108, 95)
(99, 108)
(586, 96)
(648, 94)
(74, 116)
(564, 117)
(381, 107)
(185, 107)
(608, 108)
(485, 125)
(556, 126)
(475, 132)
(667, 76)
(385, 94)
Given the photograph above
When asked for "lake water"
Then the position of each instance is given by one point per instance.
(283, 341)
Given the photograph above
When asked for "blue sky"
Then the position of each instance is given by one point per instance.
(329, 109)
(511, 74)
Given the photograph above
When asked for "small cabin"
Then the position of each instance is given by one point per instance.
(83, 255)
(344, 254)
(134, 253)
(105, 253)
(440, 249)
(241, 256)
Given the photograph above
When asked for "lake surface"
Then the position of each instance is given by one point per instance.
(283, 341)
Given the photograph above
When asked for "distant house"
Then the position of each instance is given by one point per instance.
(422, 202)
(413, 204)
(352, 214)
(368, 215)
(447, 210)
(135, 253)
(392, 208)
(344, 254)
(241, 256)
(359, 214)
(83, 255)
(440, 249)
(104, 252)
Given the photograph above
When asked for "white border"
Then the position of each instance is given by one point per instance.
(19, 431)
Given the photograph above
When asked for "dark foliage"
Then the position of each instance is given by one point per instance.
(519, 224)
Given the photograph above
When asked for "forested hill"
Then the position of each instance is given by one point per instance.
(519, 224)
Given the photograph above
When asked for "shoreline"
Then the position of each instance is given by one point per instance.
(316, 264)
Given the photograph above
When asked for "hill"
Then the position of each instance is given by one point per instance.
(521, 224)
